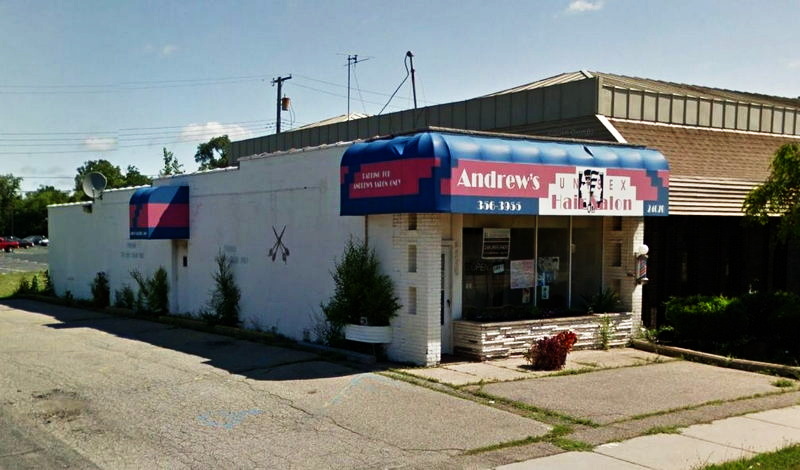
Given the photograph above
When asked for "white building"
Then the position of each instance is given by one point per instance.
(466, 225)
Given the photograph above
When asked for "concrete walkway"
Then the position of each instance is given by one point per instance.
(693, 447)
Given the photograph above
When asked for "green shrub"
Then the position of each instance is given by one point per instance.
(152, 297)
(101, 292)
(125, 297)
(361, 291)
(605, 301)
(698, 317)
(24, 287)
(35, 287)
(47, 289)
(223, 306)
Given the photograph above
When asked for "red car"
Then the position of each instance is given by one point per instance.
(8, 245)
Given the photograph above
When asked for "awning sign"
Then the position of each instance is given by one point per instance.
(160, 212)
(440, 172)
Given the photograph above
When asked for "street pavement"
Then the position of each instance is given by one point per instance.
(86, 389)
(32, 259)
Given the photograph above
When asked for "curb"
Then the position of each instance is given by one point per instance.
(716, 360)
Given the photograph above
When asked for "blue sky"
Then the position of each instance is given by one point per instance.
(82, 80)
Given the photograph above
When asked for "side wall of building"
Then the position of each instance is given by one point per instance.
(239, 212)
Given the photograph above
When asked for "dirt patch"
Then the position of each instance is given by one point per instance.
(58, 405)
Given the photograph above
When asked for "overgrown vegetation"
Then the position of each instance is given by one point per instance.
(759, 326)
(361, 291)
(550, 353)
(223, 306)
(152, 298)
(101, 292)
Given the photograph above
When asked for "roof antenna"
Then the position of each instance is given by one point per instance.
(352, 60)
(413, 82)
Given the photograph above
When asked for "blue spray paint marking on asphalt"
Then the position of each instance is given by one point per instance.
(226, 419)
(360, 381)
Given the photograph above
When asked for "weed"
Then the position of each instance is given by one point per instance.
(663, 430)
(783, 383)
(571, 445)
(605, 331)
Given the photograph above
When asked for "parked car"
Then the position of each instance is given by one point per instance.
(38, 240)
(23, 243)
(8, 245)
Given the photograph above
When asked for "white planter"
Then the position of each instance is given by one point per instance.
(368, 334)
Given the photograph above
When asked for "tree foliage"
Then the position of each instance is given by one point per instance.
(214, 153)
(171, 165)
(780, 193)
(114, 176)
(30, 213)
(9, 199)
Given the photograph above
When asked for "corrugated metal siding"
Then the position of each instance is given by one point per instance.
(703, 196)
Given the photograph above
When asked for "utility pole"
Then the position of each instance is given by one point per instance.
(279, 81)
(413, 81)
(352, 60)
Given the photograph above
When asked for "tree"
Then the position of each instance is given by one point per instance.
(30, 214)
(133, 177)
(114, 176)
(9, 198)
(214, 153)
(171, 165)
(779, 194)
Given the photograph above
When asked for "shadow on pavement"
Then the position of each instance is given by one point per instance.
(250, 359)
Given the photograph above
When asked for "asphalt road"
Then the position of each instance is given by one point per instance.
(84, 389)
(24, 260)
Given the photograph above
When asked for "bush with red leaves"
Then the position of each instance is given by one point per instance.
(550, 352)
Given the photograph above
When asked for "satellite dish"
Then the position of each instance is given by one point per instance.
(93, 185)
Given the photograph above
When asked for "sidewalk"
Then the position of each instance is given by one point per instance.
(691, 448)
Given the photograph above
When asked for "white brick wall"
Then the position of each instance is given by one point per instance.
(416, 337)
(631, 236)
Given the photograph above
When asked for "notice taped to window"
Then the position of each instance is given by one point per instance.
(496, 243)
(522, 274)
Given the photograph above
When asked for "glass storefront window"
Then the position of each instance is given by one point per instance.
(563, 254)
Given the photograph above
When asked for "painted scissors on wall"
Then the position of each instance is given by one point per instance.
(273, 252)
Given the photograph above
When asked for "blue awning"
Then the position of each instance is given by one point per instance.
(159, 212)
(460, 173)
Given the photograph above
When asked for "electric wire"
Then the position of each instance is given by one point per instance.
(408, 73)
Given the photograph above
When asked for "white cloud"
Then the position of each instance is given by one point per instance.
(204, 132)
(168, 49)
(580, 6)
(793, 64)
(100, 144)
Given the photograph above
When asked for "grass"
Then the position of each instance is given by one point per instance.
(787, 458)
(555, 434)
(783, 383)
(10, 281)
(662, 430)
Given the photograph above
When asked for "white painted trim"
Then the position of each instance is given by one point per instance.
(610, 128)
